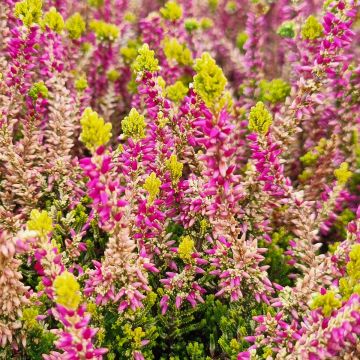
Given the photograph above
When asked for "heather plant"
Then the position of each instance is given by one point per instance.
(179, 180)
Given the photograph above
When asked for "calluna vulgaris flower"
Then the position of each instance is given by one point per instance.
(179, 179)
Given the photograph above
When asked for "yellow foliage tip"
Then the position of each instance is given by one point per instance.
(327, 302)
(53, 20)
(353, 267)
(343, 174)
(175, 167)
(95, 132)
(134, 125)
(274, 91)
(29, 316)
(146, 61)
(351, 284)
(113, 75)
(260, 119)
(130, 17)
(75, 25)
(209, 81)
(171, 11)
(81, 84)
(104, 31)
(41, 222)
(28, 11)
(67, 290)
(96, 3)
(152, 186)
(186, 248)
(174, 51)
(176, 92)
(130, 51)
(312, 29)
(38, 89)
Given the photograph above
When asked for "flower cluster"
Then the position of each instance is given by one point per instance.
(179, 179)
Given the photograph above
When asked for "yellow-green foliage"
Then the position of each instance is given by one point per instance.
(161, 119)
(206, 23)
(75, 25)
(231, 7)
(204, 227)
(104, 31)
(37, 89)
(96, 3)
(287, 29)
(310, 158)
(28, 11)
(130, 17)
(81, 84)
(130, 51)
(351, 284)
(241, 40)
(41, 222)
(171, 11)
(176, 92)
(173, 50)
(53, 20)
(113, 75)
(274, 91)
(137, 334)
(152, 186)
(353, 266)
(343, 174)
(146, 61)
(67, 290)
(134, 125)
(260, 119)
(209, 81)
(95, 132)
(311, 29)
(161, 82)
(213, 4)
(191, 24)
(175, 167)
(186, 248)
(327, 302)
(85, 47)
(29, 318)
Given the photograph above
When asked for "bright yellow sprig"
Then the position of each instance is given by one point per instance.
(134, 125)
(152, 186)
(327, 302)
(176, 92)
(351, 283)
(67, 290)
(95, 132)
(171, 11)
(174, 51)
(260, 118)
(209, 81)
(81, 84)
(146, 61)
(104, 31)
(343, 174)
(75, 25)
(175, 167)
(312, 29)
(53, 20)
(28, 11)
(186, 248)
(41, 222)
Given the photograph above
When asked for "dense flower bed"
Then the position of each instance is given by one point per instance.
(179, 180)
